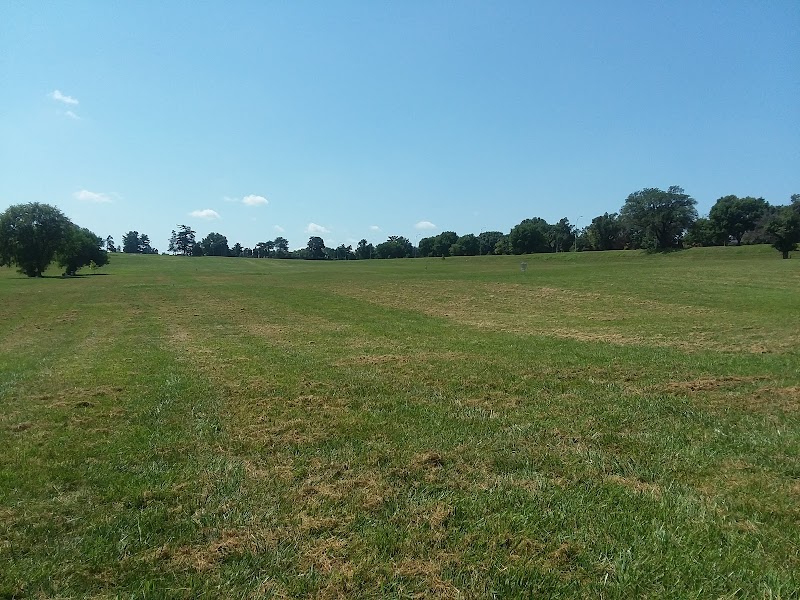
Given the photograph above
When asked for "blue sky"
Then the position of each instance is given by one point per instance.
(367, 119)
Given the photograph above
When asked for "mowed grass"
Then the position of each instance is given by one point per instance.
(601, 425)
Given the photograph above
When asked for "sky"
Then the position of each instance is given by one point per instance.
(365, 119)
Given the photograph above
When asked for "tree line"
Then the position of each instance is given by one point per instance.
(33, 235)
(651, 219)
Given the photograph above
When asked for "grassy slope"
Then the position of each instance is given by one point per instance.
(611, 424)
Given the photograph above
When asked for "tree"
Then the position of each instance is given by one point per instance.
(503, 246)
(130, 242)
(784, 229)
(658, 219)
(110, 246)
(316, 248)
(237, 250)
(185, 240)
(215, 244)
(173, 239)
(426, 245)
(606, 232)
(31, 235)
(466, 245)
(704, 233)
(364, 250)
(561, 236)
(144, 245)
(488, 240)
(530, 236)
(281, 247)
(343, 252)
(396, 246)
(442, 243)
(733, 216)
(81, 248)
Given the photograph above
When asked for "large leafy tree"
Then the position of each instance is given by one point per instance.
(488, 240)
(281, 247)
(466, 245)
(733, 216)
(704, 233)
(657, 219)
(343, 252)
(215, 244)
(443, 242)
(31, 235)
(561, 236)
(81, 248)
(531, 235)
(606, 232)
(315, 248)
(426, 245)
(784, 229)
(396, 246)
(364, 250)
(130, 242)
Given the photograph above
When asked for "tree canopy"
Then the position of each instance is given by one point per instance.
(81, 248)
(733, 216)
(33, 235)
(215, 244)
(657, 219)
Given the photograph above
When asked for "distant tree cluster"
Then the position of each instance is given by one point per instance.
(134, 243)
(651, 219)
(34, 235)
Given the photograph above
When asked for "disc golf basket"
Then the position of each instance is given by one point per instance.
(523, 266)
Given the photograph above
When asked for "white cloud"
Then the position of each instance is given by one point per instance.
(314, 228)
(87, 196)
(206, 213)
(57, 95)
(424, 225)
(374, 228)
(253, 200)
(72, 115)
(229, 199)
(278, 228)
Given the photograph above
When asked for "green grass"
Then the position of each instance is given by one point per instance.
(602, 425)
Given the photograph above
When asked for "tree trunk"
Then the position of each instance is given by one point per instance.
(785, 254)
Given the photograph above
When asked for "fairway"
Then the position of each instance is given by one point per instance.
(610, 424)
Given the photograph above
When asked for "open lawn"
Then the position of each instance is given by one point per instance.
(609, 425)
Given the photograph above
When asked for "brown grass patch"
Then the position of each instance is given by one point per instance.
(21, 426)
(637, 485)
(430, 572)
(205, 557)
(428, 460)
(706, 384)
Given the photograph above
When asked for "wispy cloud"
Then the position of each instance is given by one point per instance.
(424, 225)
(87, 196)
(206, 213)
(374, 228)
(253, 200)
(72, 115)
(58, 96)
(278, 228)
(314, 228)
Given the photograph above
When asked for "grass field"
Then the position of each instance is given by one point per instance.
(610, 425)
